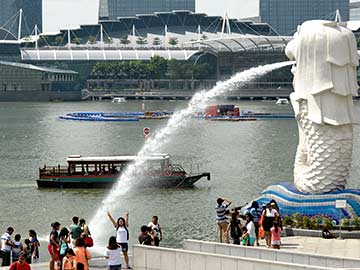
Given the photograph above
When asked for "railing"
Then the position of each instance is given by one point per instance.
(54, 171)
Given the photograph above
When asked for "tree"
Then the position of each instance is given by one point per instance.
(141, 41)
(76, 40)
(157, 67)
(173, 41)
(58, 40)
(156, 41)
(91, 40)
(125, 40)
(108, 40)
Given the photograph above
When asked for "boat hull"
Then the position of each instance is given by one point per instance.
(172, 181)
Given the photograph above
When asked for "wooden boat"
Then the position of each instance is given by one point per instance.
(103, 172)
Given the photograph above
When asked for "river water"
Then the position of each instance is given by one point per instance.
(242, 157)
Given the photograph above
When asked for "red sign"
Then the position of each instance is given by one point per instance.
(146, 131)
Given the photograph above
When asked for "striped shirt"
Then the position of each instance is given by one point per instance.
(221, 212)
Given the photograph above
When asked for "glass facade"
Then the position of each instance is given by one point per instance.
(124, 8)
(355, 14)
(32, 14)
(285, 15)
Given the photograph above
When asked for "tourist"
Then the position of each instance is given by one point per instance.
(6, 245)
(27, 251)
(113, 254)
(34, 246)
(68, 262)
(16, 248)
(221, 219)
(256, 213)
(82, 254)
(155, 226)
(21, 263)
(245, 237)
(84, 227)
(144, 236)
(275, 235)
(75, 230)
(122, 235)
(250, 226)
(64, 240)
(268, 217)
(235, 228)
(54, 246)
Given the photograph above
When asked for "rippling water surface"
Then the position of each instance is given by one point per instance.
(243, 158)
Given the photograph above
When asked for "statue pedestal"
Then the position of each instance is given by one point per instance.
(291, 201)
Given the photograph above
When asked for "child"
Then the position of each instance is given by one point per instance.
(245, 238)
(155, 226)
(113, 254)
(27, 251)
(17, 248)
(275, 235)
(68, 262)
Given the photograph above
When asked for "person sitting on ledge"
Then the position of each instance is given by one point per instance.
(326, 234)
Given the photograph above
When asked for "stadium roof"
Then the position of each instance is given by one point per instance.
(42, 69)
(102, 54)
(246, 43)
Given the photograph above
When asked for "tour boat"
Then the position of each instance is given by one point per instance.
(118, 100)
(103, 172)
(282, 101)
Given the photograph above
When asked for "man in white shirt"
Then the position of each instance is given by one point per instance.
(6, 245)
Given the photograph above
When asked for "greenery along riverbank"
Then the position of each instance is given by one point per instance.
(157, 68)
(318, 222)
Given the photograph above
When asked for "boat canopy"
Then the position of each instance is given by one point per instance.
(80, 159)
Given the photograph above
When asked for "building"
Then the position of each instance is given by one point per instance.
(285, 15)
(355, 10)
(112, 9)
(32, 14)
(24, 82)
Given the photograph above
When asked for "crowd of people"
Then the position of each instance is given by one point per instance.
(247, 229)
(69, 247)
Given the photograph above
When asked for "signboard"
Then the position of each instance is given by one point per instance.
(146, 131)
(340, 204)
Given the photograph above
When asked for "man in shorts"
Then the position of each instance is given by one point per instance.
(6, 246)
(222, 219)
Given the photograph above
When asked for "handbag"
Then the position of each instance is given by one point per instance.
(89, 242)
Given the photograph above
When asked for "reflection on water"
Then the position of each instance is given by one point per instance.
(243, 158)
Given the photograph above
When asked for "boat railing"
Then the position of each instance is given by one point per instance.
(177, 168)
(54, 170)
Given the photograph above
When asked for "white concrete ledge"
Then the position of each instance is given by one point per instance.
(155, 258)
(271, 254)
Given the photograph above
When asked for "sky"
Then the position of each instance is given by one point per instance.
(62, 14)
(235, 8)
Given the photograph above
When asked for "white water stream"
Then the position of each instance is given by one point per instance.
(99, 222)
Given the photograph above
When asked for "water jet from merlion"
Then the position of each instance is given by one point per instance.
(180, 119)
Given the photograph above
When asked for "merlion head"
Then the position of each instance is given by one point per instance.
(316, 46)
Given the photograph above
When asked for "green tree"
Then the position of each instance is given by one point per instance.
(203, 71)
(76, 40)
(58, 40)
(108, 40)
(157, 67)
(141, 41)
(91, 40)
(173, 41)
(156, 41)
(125, 40)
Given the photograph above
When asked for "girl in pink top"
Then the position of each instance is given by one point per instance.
(82, 255)
(275, 236)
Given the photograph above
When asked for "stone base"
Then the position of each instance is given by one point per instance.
(291, 201)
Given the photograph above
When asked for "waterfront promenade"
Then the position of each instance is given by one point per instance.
(317, 249)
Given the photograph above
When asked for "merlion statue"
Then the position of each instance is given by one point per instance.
(325, 81)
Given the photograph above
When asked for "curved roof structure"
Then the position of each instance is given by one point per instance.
(246, 43)
(102, 54)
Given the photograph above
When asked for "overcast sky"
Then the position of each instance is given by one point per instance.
(234, 8)
(62, 14)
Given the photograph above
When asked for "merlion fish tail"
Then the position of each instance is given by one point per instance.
(323, 157)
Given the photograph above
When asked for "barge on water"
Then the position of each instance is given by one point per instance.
(103, 172)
